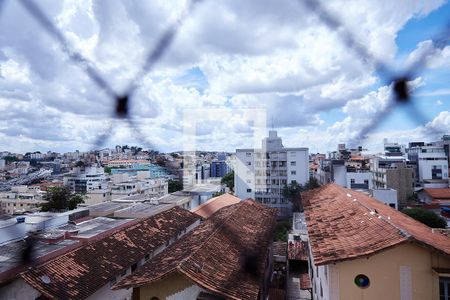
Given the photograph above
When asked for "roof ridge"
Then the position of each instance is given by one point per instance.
(219, 226)
(403, 231)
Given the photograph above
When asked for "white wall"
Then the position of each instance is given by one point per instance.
(387, 196)
(359, 178)
(243, 173)
(106, 293)
(301, 167)
(190, 293)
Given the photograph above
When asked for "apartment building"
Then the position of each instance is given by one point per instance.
(393, 172)
(83, 180)
(261, 174)
(21, 199)
(431, 164)
(360, 248)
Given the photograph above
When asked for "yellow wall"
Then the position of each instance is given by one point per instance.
(170, 285)
(383, 270)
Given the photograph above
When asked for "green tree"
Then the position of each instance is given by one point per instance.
(281, 230)
(217, 194)
(228, 180)
(175, 185)
(107, 169)
(312, 183)
(292, 193)
(426, 217)
(59, 199)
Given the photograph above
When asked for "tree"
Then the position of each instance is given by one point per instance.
(228, 180)
(217, 194)
(292, 193)
(175, 185)
(281, 230)
(312, 183)
(107, 169)
(59, 199)
(426, 217)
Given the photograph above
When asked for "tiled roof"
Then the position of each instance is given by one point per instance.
(438, 193)
(279, 248)
(214, 204)
(225, 255)
(298, 250)
(344, 224)
(79, 273)
(305, 281)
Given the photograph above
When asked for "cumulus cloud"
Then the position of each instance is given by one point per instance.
(229, 55)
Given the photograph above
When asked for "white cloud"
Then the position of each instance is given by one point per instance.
(266, 54)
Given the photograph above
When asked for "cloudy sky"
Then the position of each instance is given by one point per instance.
(230, 61)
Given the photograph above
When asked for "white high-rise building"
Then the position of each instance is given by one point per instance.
(261, 174)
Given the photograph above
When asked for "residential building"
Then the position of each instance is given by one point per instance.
(89, 271)
(208, 208)
(83, 180)
(360, 248)
(393, 172)
(261, 174)
(227, 257)
(431, 165)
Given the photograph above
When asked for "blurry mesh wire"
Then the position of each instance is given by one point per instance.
(398, 81)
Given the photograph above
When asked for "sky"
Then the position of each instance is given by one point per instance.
(235, 70)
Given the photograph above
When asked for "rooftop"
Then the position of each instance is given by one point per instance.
(344, 224)
(236, 236)
(88, 268)
(214, 204)
(141, 210)
(439, 194)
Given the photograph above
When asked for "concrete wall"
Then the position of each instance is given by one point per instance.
(18, 290)
(387, 196)
(107, 293)
(359, 178)
(403, 271)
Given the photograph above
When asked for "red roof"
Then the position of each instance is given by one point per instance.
(298, 250)
(344, 224)
(438, 194)
(305, 281)
(206, 209)
(225, 255)
(81, 272)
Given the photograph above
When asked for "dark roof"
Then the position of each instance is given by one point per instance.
(279, 248)
(225, 255)
(344, 224)
(79, 273)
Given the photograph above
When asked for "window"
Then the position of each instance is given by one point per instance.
(362, 281)
(444, 288)
(366, 181)
(392, 205)
(293, 163)
(352, 181)
(248, 154)
(293, 172)
(249, 190)
(249, 181)
(249, 163)
(133, 267)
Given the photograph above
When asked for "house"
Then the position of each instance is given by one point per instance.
(360, 248)
(89, 271)
(228, 256)
(208, 208)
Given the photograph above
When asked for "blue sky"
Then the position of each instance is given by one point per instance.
(228, 58)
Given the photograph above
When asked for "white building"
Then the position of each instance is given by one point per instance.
(432, 163)
(261, 174)
(85, 180)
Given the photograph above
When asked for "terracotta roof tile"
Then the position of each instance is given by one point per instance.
(225, 255)
(298, 250)
(305, 281)
(279, 248)
(439, 194)
(344, 224)
(206, 209)
(79, 273)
